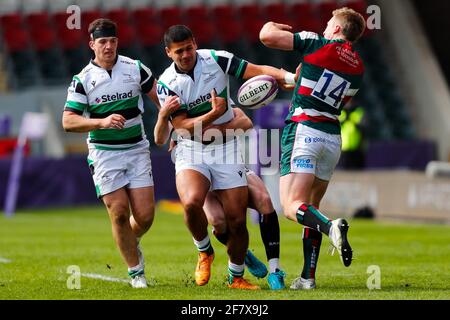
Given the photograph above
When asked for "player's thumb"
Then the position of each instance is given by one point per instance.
(213, 94)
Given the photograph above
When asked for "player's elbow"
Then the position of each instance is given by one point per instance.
(266, 36)
(66, 125)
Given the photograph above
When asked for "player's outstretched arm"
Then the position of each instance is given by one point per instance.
(282, 76)
(277, 36)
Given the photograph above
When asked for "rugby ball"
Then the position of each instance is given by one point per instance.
(257, 92)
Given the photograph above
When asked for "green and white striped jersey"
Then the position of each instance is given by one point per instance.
(98, 93)
(331, 75)
(211, 71)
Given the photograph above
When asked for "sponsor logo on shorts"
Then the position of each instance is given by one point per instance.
(319, 140)
(303, 164)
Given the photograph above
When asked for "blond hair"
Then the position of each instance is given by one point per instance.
(353, 23)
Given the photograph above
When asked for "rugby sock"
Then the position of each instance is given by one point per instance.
(274, 265)
(309, 216)
(221, 237)
(270, 234)
(204, 245)
(311, 248)
(235, 270)
(136, 270)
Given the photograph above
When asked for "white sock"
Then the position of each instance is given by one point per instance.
(202, 245)
(274, 264)
(236, 270)
(136, 268)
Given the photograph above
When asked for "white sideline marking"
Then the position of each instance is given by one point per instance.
(4, 260)
(103, 278)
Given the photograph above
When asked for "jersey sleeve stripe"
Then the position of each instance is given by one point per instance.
(223, 63)
(237, 67)
(78, 112)
(147, 85)
(76, 105)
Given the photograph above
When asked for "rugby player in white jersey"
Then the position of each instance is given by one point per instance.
(198, 81)
(258, 199)
(331, 75)
(105, 99)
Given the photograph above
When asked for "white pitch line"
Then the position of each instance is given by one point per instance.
(4, 260)
(103, 278)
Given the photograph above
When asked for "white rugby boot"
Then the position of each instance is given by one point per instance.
(303, 284)
(339, 241)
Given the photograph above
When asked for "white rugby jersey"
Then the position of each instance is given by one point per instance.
(211, 71)
(98, 93)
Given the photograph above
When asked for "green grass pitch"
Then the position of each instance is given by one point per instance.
(36, 248)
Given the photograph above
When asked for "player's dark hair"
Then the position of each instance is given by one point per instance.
(102, 26)
(177, 33)
(353, 23)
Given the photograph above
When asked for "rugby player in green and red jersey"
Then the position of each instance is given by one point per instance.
(330, 76)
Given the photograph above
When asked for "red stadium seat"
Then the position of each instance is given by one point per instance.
(143, 16)
(357, 5)
(250, 11)
(16, 39)
(60, 19)
(71, 39)
(204, 31)
(11, 21)
(277, 12)
(170, 16)
(224, 12)
(196, 13)
(150, 34)
(37, 20)
(252, 28)
(230, 30)
(126, 35)
(119, 15)
(43, 38)
(87, 16)
(305, 17)
(326, 11)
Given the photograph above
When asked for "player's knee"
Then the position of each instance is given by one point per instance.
(118, 212)
(120, 220)
(193, 205)
(219, 224)
(235, 223)
(145, 220)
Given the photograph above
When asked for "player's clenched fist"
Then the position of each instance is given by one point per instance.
(114, 121)
(171, 104)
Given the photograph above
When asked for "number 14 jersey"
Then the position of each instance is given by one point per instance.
(331, 75)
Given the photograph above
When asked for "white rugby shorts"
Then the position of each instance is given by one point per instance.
(112, 170)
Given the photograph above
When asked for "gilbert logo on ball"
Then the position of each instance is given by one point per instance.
(257, 92)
